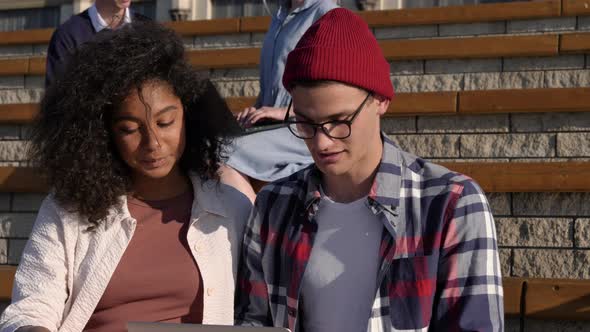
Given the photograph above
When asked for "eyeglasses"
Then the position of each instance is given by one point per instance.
(337, 129)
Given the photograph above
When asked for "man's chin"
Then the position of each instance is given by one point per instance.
(333, 169)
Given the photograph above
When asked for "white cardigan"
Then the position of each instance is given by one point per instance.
(65, 269)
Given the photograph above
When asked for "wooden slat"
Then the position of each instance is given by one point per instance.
(403, 104)
(225, 58)
(29, 4)
(445, 48)
(558, 299)
(462, 14)
(6, 280)
(25, 37)
(37, 66)
(254, 24)
(493, 177)
(14, 66)
(416, 104)
(527, 177)
(206, 27)
(576, 7)
(407, 17)
(525, 100)
(474, 47)
(423, 103)
(574, 43)
(18, 113)
(512, 293)
(21, 179)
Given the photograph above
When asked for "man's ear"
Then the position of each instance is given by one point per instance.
(382, 104)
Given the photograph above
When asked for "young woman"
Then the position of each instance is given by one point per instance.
(136, 227)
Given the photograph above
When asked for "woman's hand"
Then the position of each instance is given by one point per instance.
(249, 116)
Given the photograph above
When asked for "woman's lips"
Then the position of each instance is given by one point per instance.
(153, 162)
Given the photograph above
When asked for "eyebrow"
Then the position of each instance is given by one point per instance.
(132, 118)
(329, 118)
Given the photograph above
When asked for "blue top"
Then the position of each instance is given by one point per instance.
(273, 154)
(283, 34)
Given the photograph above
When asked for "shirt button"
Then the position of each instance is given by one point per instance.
(197, 247)
(209, 291)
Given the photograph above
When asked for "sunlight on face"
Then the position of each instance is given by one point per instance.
(336, 101)
(149, 130)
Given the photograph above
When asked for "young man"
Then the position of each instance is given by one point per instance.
(370, 238)
(78, 29)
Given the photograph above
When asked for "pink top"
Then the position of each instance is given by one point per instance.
(157, 279)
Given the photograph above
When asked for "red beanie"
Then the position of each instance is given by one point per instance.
(339, 47)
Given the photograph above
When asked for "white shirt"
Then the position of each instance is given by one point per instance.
(338, 286)
(65, 269)
(99, 23)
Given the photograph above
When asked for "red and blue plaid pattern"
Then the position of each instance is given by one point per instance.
(439, 258)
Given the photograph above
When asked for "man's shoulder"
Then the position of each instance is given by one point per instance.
(140, 17)
(291, 187)
(75, 26)
(428, 174)
(76, 21)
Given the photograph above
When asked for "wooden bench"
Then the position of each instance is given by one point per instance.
(416, 49)
(555, 299)
(493, 177)
(552, 299)
(6, 281)
(416, 104)
(375, 19)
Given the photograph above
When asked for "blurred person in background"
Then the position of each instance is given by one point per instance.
(78, 29)
(271, 153)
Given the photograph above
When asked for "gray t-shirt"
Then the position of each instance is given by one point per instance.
(340, 279)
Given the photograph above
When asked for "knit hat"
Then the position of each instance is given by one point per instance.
(339, 47)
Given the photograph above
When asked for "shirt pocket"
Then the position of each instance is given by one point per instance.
(411, 291)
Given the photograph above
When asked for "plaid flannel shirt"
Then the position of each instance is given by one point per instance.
(439, 267)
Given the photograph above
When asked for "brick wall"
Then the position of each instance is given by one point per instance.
(540, 234)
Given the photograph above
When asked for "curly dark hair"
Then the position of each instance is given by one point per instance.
(72, 141)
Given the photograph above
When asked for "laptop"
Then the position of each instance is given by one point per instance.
(173, 327)
(263, 127)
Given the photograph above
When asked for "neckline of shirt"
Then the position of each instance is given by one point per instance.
(353, 204)
(184, 198)
(99, 24)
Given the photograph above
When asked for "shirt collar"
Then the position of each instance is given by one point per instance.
(99, 24)
(385, 191)
(284, 11)
(209, 197)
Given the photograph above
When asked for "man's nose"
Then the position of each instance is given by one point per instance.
(321, 141)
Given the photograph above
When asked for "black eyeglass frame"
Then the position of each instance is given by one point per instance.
(315, 126)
